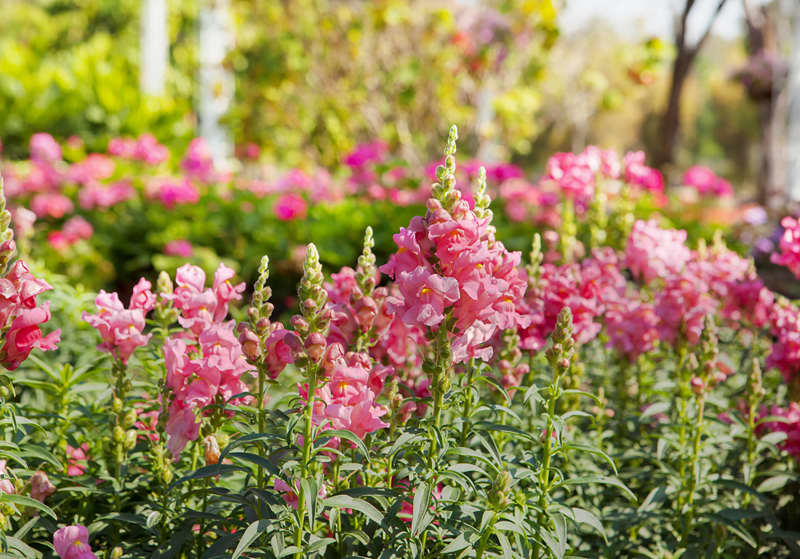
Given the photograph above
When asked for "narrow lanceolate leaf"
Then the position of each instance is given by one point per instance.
(24, 501)
(603, 480)
(362, 506)
(422, 499)
(347, 435)
(250, 535)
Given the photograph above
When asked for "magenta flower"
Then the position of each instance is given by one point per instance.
(175, 192)
(148, 150)
(76, 459)
(198, 163)
(290, 207)
(95, 167)
(791, 426)
(639, 174)
(76, 228)
(706, 182)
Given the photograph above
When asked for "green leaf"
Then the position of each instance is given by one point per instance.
(604, 480)
(773, 483)
(422, 498)
(459, 543)
(348, 435)
(346, 502)
(24, 501)
(249, 536)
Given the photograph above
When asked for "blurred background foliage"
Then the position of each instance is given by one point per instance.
(316, 77)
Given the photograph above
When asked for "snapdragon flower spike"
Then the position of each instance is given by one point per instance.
(449, 269)
(790, 425)
(653, 252)
(366, 271)
(121, 328)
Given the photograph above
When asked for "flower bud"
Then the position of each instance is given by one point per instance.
(315, 346)
(698, 386)
(212, 450)
(116, 553)
(118, 434)
(299, 323)
(116, 405)
(251, 346)
(130, 439)
(129, 418)
(41, 487)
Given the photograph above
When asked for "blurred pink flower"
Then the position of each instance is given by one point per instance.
(179, 247)
(290, 207)
(51, 205)
(44, 148)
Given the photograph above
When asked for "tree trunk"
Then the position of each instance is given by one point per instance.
(670, 121)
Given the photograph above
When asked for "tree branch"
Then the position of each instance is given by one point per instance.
(699, 44)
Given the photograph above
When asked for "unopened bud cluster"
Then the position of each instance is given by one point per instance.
(707, 372)
(562, 350)
(445, 189)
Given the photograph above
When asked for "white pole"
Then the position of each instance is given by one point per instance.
(216, 82)
(792, 9)
(154, 46)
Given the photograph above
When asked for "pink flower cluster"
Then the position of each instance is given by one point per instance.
(586, 288)
(75, 229)
(789, 246)
(639, 174)
(653, 252)
(790, 426)
(348, 399)
(449, 265)
(121, 328)
(96, 195)
(173, 192)
(94, 167)
(72, 542)
(198, 163)
(706, 182)
(145, 149)
(205, 362)
(289, 207)
(20, 313)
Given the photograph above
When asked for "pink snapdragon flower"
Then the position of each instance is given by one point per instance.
(182, 427)
(789, 246)
(791, 426)
(72, 542)
(121, 328)
(76, 229)
(290, 207)
(348, 399)
(785, 351)
(25, 335)
(122, 147)
(653, 252)
(450, 263)
(631, 327)
(681, 306)
(574, 176)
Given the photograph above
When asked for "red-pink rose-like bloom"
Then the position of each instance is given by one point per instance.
(179, 247)
(791, 426)
(182, 427)
(44, 148)
(789, 246)
(72, 542)
(639, 174)
(653, 252)
(290, 207)
(25, 335)
(51, 204)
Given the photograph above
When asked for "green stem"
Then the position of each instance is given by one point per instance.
(261, 421)
(751, 448)
(485, 537)
(465, 415)
(307, 443)
(687, 526)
